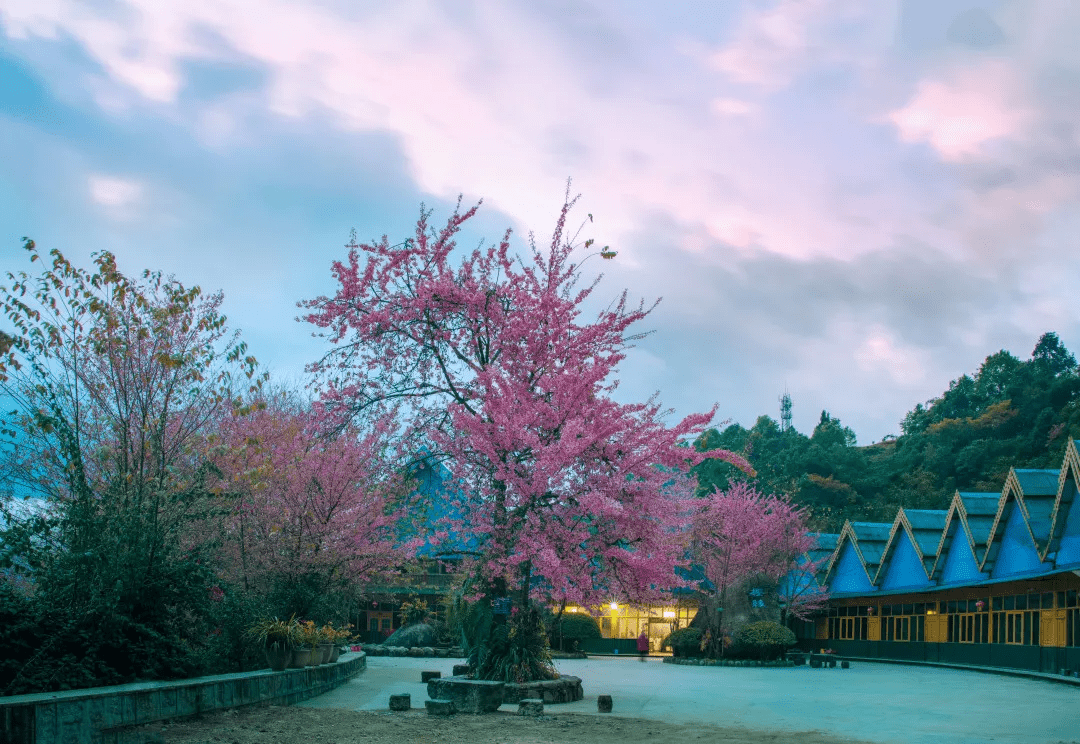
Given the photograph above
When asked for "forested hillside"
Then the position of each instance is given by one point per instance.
(1009, 413)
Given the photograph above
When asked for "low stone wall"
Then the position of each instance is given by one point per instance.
(726, 662)
(107, 715)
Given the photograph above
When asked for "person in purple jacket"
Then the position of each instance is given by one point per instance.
(643, 645)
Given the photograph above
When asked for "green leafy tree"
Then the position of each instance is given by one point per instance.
(112, 383)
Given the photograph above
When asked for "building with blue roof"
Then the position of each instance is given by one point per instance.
(993, 580)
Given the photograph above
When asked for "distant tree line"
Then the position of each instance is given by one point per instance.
(1009, 413)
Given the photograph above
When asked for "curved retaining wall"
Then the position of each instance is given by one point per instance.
(107, 715)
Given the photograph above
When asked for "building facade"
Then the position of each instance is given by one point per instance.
(993, 580)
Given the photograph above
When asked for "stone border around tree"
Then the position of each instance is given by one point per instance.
(565, 689)
(414, 651)
(689, 661)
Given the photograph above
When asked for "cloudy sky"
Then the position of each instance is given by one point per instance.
(854, 201)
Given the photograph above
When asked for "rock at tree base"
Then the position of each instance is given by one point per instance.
(426, 677)
(845, 665)
(469, 695)
(460, 670)
(439, 707)
(603, 703)
(402, 701)
(530, 707)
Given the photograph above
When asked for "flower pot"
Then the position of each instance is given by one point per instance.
(335, 650)
(301, 657)
(278, 656)
(324, 652)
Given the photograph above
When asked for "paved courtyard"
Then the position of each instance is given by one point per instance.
(876, 702)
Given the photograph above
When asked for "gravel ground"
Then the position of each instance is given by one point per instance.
(295, 725)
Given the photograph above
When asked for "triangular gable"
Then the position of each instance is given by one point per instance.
(849, 572)
(969, 519)
(903, 566)
(1064, 544)
(1011, 537)
(959, 564)
(1016, 552)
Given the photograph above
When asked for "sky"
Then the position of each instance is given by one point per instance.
(854, 202)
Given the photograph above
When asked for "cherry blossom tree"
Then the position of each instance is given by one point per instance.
(739, 536)
(313, 505)
(564, 493)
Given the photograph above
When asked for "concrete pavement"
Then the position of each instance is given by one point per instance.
(878, 702)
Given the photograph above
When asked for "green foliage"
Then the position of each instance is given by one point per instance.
(1009, 413)
(518, 651)
(573, 628)
(413, 610)
(684, 642)
(766, 640)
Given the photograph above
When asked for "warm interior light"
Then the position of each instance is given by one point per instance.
(669, 613)
(573, 609)
(930, 612)
(614, 605)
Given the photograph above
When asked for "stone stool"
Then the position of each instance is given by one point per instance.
(439, 707)
(603, 703)
(401, 701)
(845, 664)
(530, 707)
(426, 677)
(460, 670)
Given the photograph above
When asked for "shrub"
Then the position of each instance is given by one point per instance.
(519, 651)
(684, 642)
(572, 629)
(764, 640)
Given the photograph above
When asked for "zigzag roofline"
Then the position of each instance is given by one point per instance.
(957, 518)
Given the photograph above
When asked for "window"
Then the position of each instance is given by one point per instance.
(1019, 628)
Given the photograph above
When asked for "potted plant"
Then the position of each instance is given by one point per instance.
(277, 638)
(337, 636)
(310, 637)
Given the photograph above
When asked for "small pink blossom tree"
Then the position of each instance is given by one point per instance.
(740, 536)
(565, 494)
(312, 507)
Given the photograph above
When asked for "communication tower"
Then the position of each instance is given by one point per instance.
(785, 411)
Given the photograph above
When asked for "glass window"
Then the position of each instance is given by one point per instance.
(952, 605)
(943, 607)
(920, 608)
(1070, 598)
(1033, 601)
(1047, 600)
(1061, 599)
(1010, 602)
(996, 603)
(886, 609)
(897, 609)
(985, 604)
(1033, 620)
(909, 609)
(386, 623)
(1021, 601)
